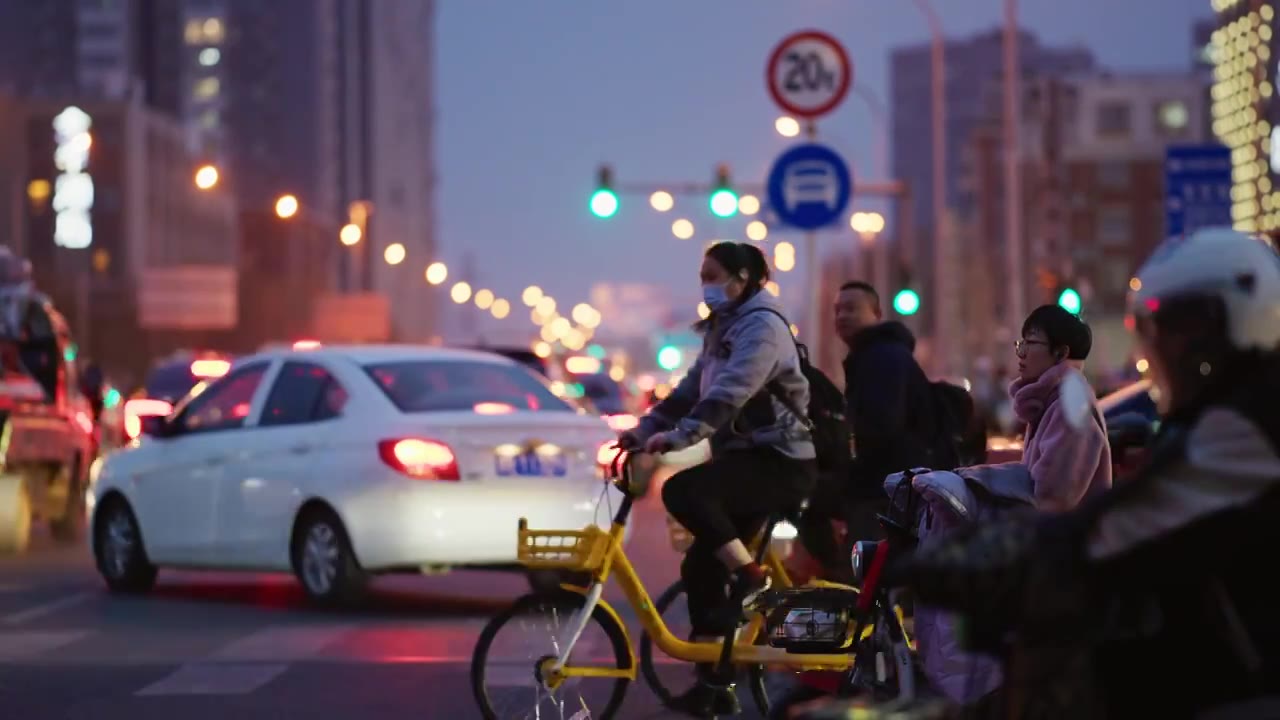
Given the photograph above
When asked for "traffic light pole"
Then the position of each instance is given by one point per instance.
(813, 271)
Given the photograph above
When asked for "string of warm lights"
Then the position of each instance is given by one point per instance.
(436, 273)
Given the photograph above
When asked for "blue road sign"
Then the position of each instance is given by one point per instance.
(1197, 188)
(809, 187)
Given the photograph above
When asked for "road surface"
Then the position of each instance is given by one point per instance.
(219, 645)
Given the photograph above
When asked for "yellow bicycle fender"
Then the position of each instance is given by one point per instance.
(632, 663)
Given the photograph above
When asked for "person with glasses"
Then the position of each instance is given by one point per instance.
(1066, 464)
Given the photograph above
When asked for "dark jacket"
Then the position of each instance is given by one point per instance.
(1117, 606)
(891, 407)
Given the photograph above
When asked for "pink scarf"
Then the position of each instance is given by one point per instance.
(1032, 399)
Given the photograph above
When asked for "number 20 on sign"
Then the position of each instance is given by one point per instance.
(809, 74)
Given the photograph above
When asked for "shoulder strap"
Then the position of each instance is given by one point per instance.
(802, 355)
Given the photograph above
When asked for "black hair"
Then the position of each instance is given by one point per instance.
(738, 258)
(865, 287)
(1061, 329)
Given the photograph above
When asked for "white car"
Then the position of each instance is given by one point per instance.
(342, 462)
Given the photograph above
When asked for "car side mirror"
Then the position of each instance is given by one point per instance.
(155, 426)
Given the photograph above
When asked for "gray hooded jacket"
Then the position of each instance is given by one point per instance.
(726, 395)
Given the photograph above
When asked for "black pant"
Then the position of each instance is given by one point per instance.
(832, 501)
(726, 499)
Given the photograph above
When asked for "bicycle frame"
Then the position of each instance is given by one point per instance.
(616, 564)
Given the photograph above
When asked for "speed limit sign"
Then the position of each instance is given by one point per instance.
(809, 74)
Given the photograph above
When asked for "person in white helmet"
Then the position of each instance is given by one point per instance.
(1155, 599)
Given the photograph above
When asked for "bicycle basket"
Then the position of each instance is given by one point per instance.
(579, 550)
(810, 620)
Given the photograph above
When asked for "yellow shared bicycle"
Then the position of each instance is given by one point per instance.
(567, 654)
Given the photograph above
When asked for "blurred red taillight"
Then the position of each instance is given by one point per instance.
(138, 408)
(425, 459)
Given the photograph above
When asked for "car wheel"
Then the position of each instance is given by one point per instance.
(15, 514)
(119, 552)
(324, 562)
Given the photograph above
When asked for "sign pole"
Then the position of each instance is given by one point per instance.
(808, 75)
(814, 273)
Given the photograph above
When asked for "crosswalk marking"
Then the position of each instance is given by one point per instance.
(302, 642)
(26, 644)
(48, 608)
(215, 679)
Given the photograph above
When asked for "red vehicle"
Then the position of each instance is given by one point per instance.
(48, 424)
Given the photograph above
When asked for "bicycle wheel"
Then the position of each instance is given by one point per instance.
(504, 676)
(753, 676)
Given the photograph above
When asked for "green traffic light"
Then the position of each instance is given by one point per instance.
(669, 357)
(906, 302)
(604, 203)
(724, 203)
(1070, 301)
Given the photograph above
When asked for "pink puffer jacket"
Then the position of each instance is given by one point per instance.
(1067, 463)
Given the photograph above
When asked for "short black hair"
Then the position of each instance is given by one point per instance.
(865, 287)
(1061, 329)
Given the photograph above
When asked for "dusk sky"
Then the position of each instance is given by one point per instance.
(533, 96)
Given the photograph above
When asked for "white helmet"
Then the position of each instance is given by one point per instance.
(1240, 270)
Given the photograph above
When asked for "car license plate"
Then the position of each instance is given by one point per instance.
(531, 465)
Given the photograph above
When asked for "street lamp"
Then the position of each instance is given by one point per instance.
(757, 231)
(460, 293)
(748, 204)
(867, 225)
(484, 299)
(682, 229)
(394, 254)
(787, 126)
(531, 295)
(662, 201)
(501, 308)
(286, 207)
(436, 273)
(206, 177)
(350, 234)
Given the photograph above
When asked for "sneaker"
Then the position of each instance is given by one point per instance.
(706, 701)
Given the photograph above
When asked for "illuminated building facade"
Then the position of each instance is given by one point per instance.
(1244, 108)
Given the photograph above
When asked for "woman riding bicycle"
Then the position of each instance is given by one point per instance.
(745, 392)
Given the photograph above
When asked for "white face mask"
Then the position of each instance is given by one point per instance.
(716, 296)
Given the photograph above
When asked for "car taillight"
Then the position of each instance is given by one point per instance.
(138, 408)
(425, 459)
(210, 368)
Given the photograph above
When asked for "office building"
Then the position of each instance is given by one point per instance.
(1244, 109)
(1093, 202)
(972, 66)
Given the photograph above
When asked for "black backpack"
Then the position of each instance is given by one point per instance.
(954, 411)
(826, 415)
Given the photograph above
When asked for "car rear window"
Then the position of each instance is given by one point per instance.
(441, 385)
(170, 382)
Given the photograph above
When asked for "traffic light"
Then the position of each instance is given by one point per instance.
(604, 201)
(1069, 300)
(669, 357)
(906, 302)
(723, 200)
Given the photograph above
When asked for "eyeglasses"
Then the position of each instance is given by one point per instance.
(1022, 346)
